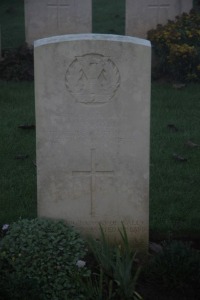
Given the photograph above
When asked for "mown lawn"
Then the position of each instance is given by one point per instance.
(174, 184)
(12, 23)
(17, 152)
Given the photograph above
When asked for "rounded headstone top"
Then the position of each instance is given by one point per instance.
(90, 37)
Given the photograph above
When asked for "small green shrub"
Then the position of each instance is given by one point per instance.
(175, 269)
(44, 253)
(17, 64)
(176, 46)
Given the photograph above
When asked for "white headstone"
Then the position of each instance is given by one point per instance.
(143, 15)
(92, 115)
(45, 18)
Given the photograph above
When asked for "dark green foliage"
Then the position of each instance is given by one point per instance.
(17, 288)
(17, 64)
(117, 272)
(43, 253)
(177, 48)
(175, 270)
(13, 285)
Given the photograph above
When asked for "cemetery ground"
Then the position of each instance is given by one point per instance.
(174, 165)
(174, 185)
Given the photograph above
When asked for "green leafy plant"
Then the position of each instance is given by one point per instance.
(98, 286)
(176, 46)
(175, 269)
(118, 268)
(45, 252)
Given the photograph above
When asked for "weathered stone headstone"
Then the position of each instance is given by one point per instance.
(92, 115)
(45, 18)
(143, 15)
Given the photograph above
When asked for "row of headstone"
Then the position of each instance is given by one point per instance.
(44, 18)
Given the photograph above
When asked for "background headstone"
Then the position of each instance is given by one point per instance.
(92, 115)
(143, 15)
(44, 18)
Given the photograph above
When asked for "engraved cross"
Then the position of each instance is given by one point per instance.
(159, 7)
(92, 174)
(57, 6)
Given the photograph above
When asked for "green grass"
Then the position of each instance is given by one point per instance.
(12, 23)
(175, 191)
(17, 177)
(174, 188)
(109, 16)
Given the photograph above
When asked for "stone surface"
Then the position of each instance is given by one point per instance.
(143, 15)
(45, 18)
(92, 119)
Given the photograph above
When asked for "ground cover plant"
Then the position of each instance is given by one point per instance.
(40, 259)
(45, 254)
